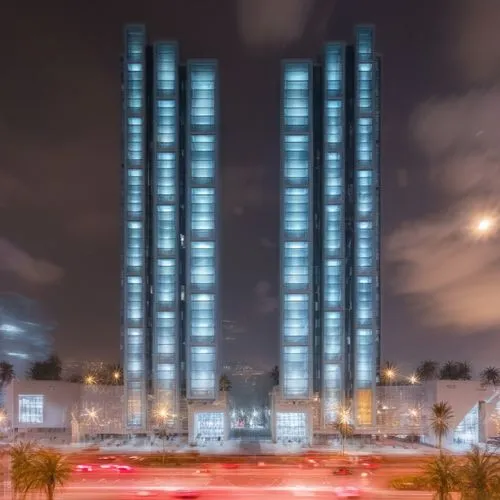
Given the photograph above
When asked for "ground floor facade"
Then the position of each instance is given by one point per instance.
(403, 411)
(62, 412)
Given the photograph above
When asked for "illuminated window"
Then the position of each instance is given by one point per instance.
(209, 426)
(291, 427)
(202, 378)
(30, 409)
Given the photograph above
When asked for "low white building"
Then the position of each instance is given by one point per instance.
(61, 411)
(402, 410)
(475, 409)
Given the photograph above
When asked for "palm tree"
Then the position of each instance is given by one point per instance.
(427, 370)
(464, 370)
(275, 375)
(345, 430)
(455, 370)
(442, 476)
(224, 383)
(6, 373)
(490, 376)
(21, 455)
(343, 425)
(37, 469)
(49, 470)
(480, 475)
(441, 416)
(449, 371)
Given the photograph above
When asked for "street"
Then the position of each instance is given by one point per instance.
(243, 482)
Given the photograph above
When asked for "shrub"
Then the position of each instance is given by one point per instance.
(409, 483)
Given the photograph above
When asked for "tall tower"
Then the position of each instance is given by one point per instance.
(170, 232)
(330, 233)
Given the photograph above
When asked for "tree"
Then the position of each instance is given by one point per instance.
(480, 475)
(49, 470)
(464, 370)
(37, 469)
(490, 376)
(20, 460)
(6, 373)
(442, 476)
(345, 430)
(50, 369)
(224, 383)
(448, 371)
(388, 373)
(275, 375)
(427, 370)
(453, 370)
(441, 416)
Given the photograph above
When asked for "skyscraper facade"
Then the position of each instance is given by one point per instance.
(330, 275)
(170, 231)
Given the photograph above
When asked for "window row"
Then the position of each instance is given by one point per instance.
(202, 371)
(332, 376)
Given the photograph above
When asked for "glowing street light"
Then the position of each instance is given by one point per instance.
(413, 379)
(90, 380)
(390, 374)
(116, 375)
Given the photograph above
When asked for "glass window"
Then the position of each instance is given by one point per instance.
(202, 317)
(296, 159)
(296, 371)
(296, 265)
(209, 426)
(203, 369)
(202, 212)
(203, 265)
(296, 318)
(30, 409)
(296, 95)
(202, 112)
(291, 427)
(334, 66)
(296, 215)
(333, 283)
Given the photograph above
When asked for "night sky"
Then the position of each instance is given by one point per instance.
(60, 155)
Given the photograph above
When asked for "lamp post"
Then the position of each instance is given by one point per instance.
(163, 418)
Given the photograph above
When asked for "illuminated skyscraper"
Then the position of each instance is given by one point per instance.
(330, 276)
(170, 231)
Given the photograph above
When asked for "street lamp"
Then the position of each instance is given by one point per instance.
(413, 379)
(164, 418)
(116, 376)
(390, 374)
(90, 380)
(92, 417)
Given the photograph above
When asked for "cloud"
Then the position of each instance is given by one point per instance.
(272, 22)
(476, 40)
(36, 271)
(266, 303)
(453, 277)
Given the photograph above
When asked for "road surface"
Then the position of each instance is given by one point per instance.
(243, 483)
